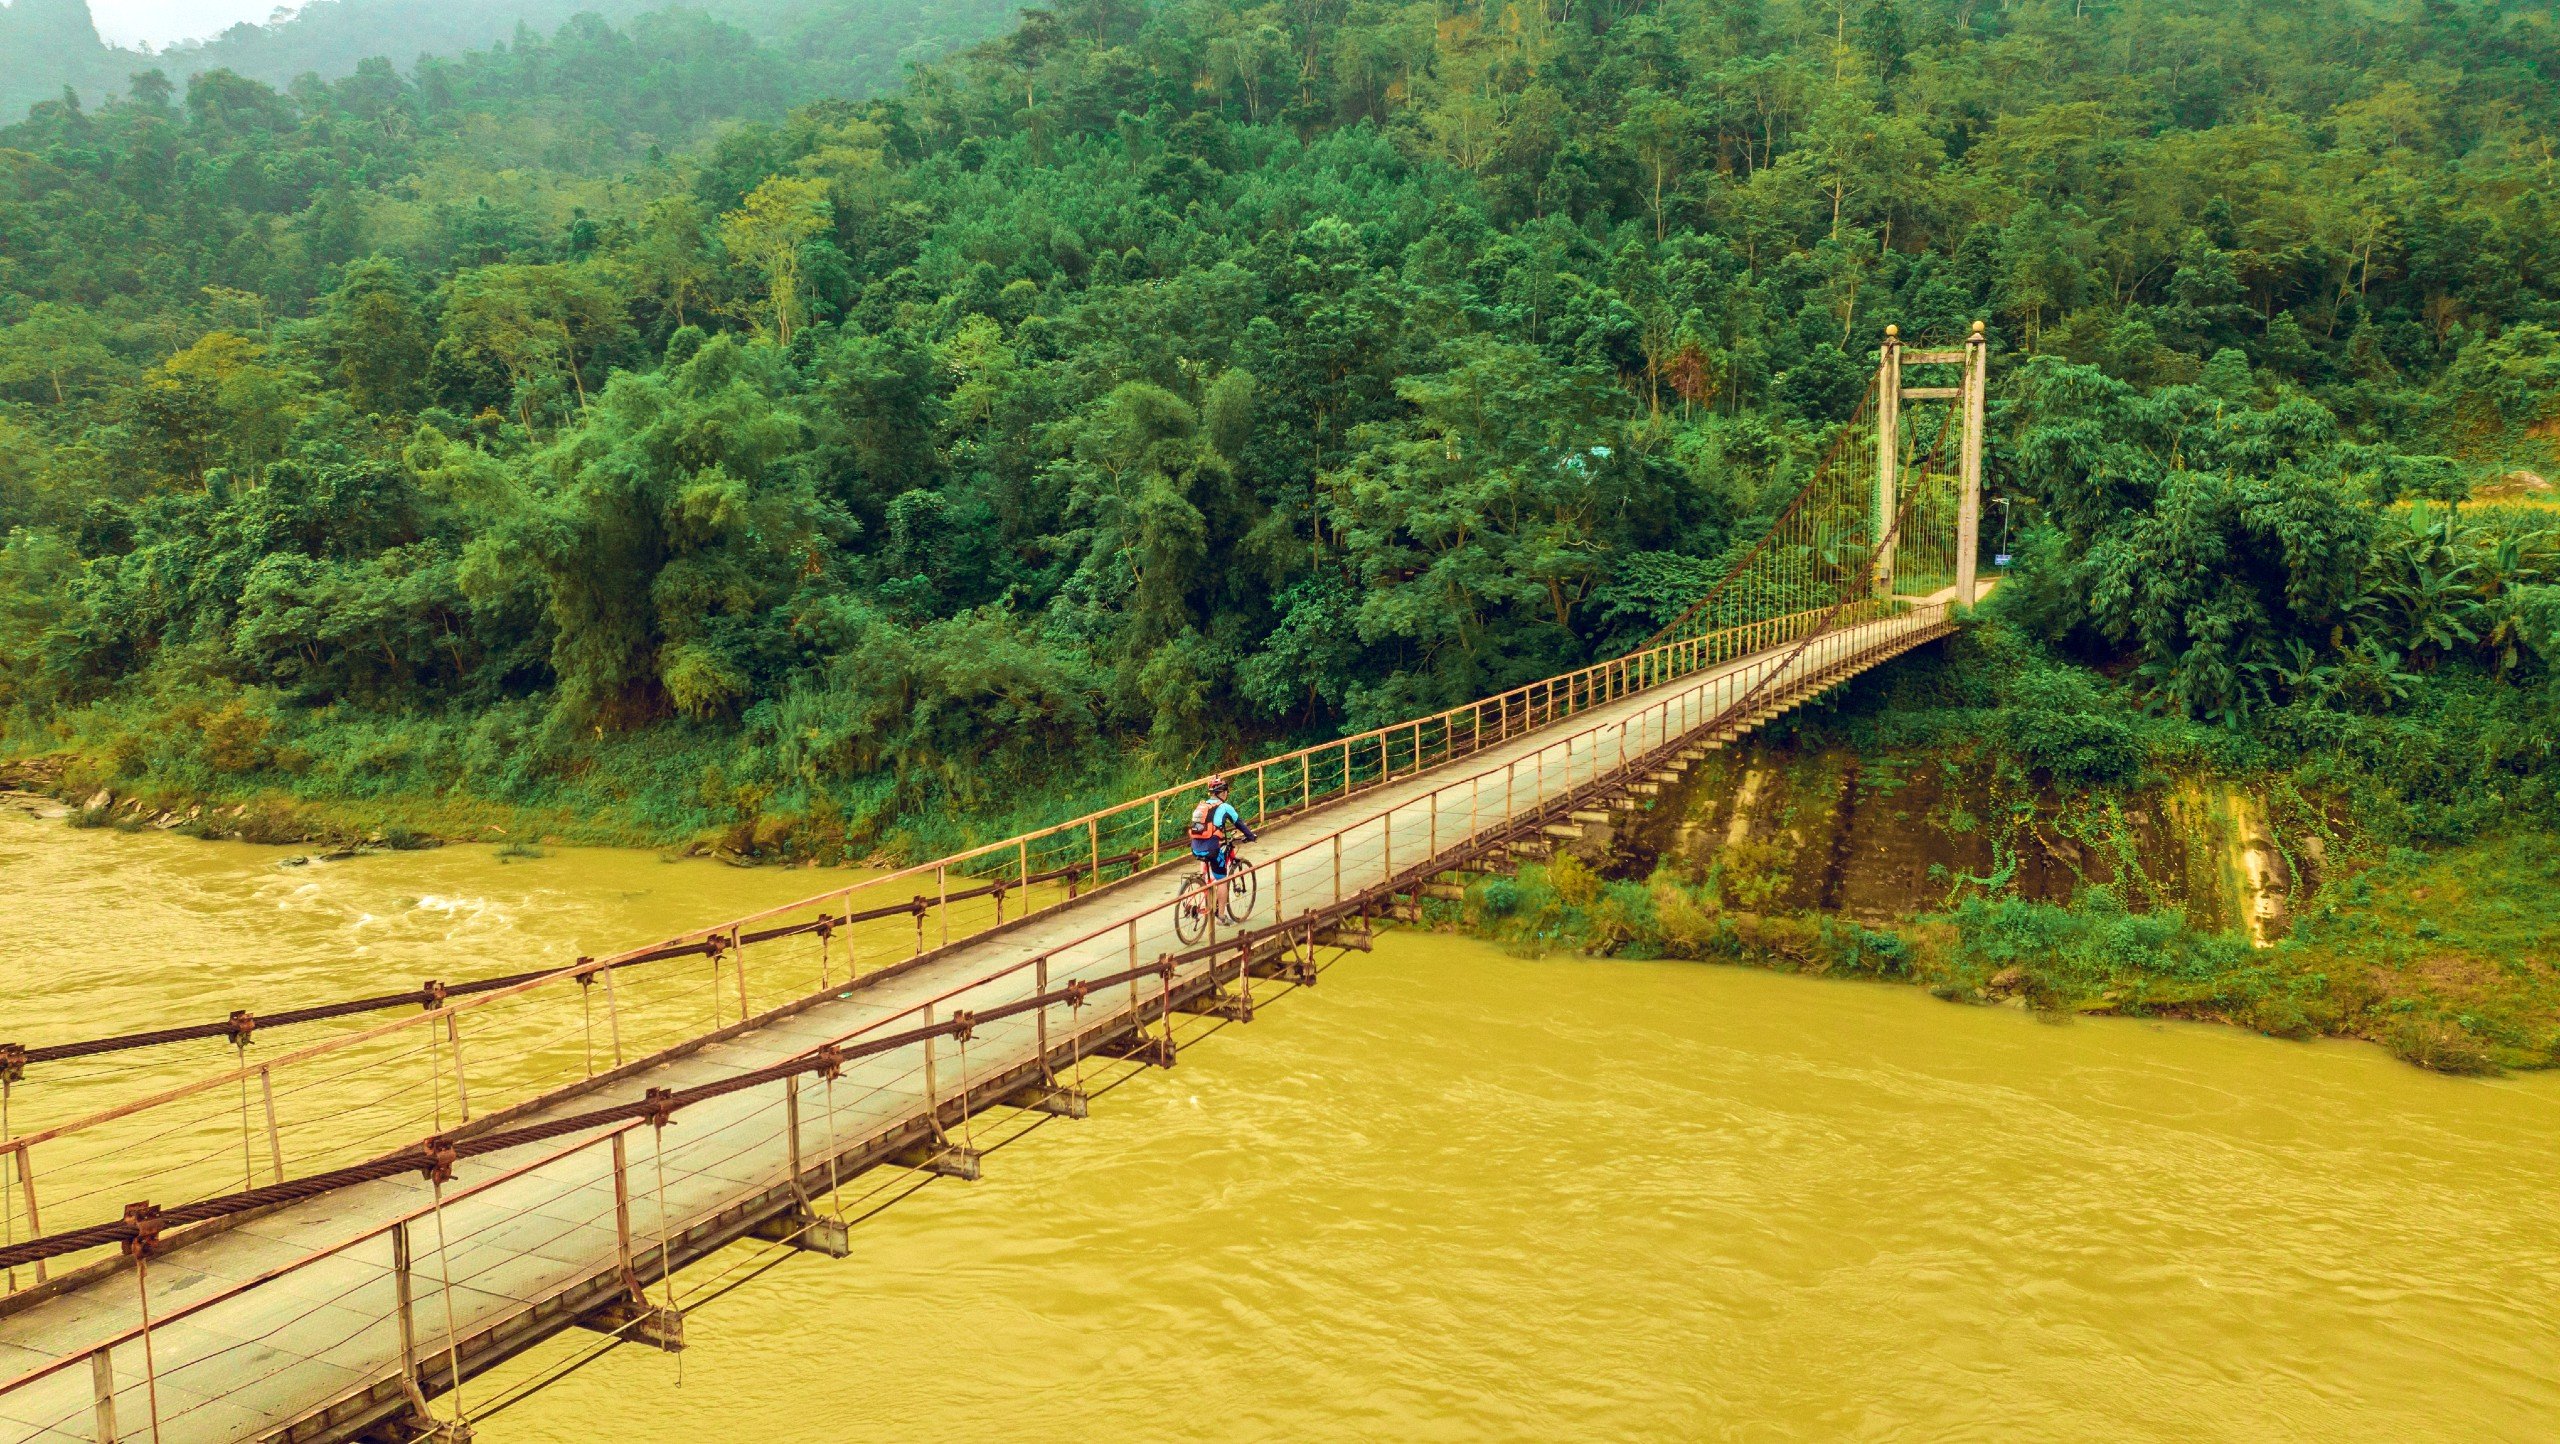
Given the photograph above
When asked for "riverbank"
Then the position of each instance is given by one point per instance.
(2445, 959)
(252, 773)
(2065, 854)
(1996, 825)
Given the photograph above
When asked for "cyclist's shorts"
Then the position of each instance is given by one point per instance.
(1212, 853)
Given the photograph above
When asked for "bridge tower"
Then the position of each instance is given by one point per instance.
(1967, 394)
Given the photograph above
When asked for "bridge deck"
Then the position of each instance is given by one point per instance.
(293, 1329)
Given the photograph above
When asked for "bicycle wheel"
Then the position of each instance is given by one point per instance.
(1239, 891)
(1191, 915)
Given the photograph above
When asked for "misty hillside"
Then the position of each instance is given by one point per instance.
(840, 47)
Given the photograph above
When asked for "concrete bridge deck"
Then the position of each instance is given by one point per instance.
(337, 1316)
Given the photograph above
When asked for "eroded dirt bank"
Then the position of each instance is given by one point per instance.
(1788, 828)
(2198, 897)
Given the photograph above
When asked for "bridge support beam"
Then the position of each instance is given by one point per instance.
(1055, 1099)
(1977, 375)
(940, 1156)
(1888, 447)
(1968, 398)
(1234, 1007)
(415, 1427)
(1294, 963)
(641, 1322)
(808, 1231)
(1139, 1046)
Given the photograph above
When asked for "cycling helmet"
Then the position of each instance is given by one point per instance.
(1217, 784)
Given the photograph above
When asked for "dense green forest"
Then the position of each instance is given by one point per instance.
(1160, 381)
(850, 48)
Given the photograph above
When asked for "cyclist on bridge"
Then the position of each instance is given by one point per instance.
(1208, 832)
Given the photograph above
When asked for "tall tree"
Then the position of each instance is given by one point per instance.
(768, 230)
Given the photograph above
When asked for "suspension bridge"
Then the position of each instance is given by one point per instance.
(347, 1230)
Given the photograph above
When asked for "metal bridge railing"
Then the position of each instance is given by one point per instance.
(469, 1055)
(1340, 868)
(361, 1094)
(415, 1300)
(1730, 689)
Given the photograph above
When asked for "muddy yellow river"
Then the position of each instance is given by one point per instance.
(1454, 1194)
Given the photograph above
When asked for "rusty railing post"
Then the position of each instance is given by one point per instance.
(613, 1010)
(1040, 990)
(932, 1095)
(621, 1217)
(102, 1389)
(461, 1088)
(275, 1136)
(715, 948)
(248, 1155)
(142, 1294)
(404, 1297)
(27, 1188)
(791, 1122)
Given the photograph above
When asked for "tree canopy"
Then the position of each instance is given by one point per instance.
(1179, 376)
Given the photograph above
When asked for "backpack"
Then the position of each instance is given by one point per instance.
(1202, 830)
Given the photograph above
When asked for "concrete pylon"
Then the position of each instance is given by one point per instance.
(1888, 448)
(1968, 398)
(1977, 376)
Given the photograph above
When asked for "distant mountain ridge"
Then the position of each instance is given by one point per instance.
(47, 46)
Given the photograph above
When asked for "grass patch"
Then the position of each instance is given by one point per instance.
(1566, 906)
(265, 772)
(2451, 960)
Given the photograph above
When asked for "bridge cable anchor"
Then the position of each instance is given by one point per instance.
(145, 1221)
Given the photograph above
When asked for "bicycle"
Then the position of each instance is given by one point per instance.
(1201, 893)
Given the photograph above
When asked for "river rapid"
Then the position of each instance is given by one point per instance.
(1455, 1194)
